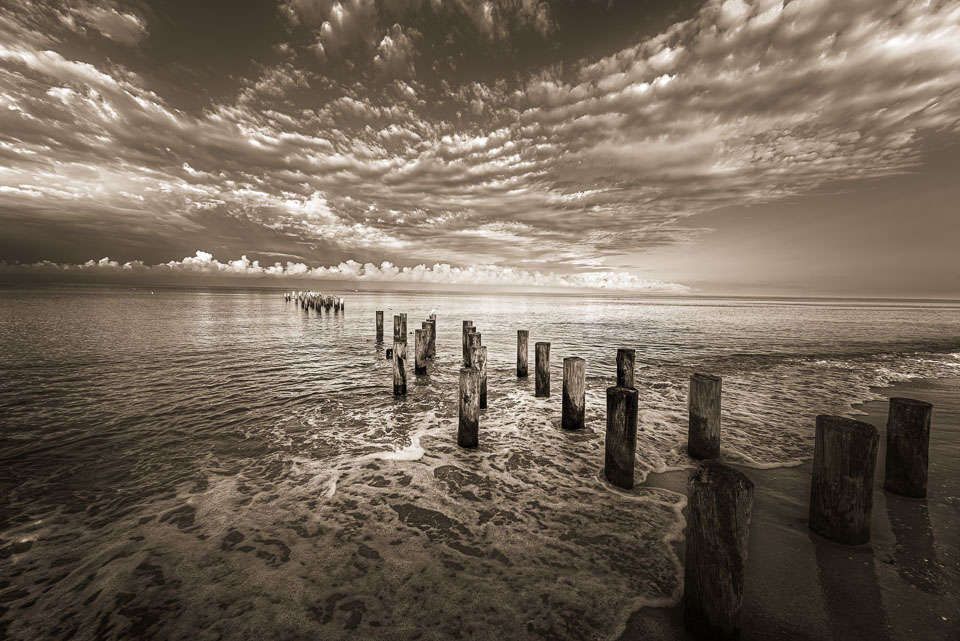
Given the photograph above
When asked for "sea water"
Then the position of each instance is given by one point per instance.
(207, 464)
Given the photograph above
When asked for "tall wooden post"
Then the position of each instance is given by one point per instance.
(719, 500)
(908, 445)
(396, 328)
(468, 426)
(626, 368)
(399, 368)
(621, 441)
(420, 344)
(466, 325)
(379, 326)
(574, 393)
(703, 403)
(522, 338)
(403, 328)
(542, 358)
(478, 360)
(841, 488)
(432, 346)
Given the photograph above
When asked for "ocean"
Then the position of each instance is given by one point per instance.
(220, 464)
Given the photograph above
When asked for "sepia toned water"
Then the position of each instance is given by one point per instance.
(219, 464)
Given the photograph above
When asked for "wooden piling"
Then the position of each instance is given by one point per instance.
(542, 357)
(719, 503)
(396, 328)
(908, 443)
(379, 326)
(473, 341)
(621, 441)
(574, 393)
(703, 405)
(399, 368)
(523, 337)
(626, 367)
(432, 340)
(478, 360)
(468, 427)
(389, 353)
(841, 487)
(420, 343)
(403, 328)
(342, 305)
(466, 325)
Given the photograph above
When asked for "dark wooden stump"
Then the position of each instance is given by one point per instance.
(468, 427)
(908, 447)
(389, 353)
(621, 441)
(420, 344)
(543, 369)
(399, 368)
(574, 393)
(841, 489)
(703, 403)
(522, 337)
(466, 326)
(379, 326)
(626, 367)
(719, 502)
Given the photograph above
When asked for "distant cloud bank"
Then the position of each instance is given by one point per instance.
(204, 264)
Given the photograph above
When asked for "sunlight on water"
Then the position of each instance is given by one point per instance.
(221, 464)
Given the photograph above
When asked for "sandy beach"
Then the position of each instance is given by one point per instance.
(904, 584)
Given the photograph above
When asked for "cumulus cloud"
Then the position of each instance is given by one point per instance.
(204, 264)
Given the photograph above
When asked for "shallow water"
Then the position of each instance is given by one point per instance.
(221, 464)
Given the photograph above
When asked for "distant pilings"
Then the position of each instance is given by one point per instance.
(542, 357)
(469, 418)
(574, 393)
(841, 487)
(523, 337)
(908, 443)
(621, 439)
(703, 405)
(719, 503)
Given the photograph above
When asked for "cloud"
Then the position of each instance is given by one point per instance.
(204, 264)
(395, 53)
(119, 26)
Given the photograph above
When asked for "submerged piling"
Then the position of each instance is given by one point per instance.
(399, 368)
(420, 344)
(522, 337)
(703, 404)
(469, 423)
(908, 444)
(841, 487)
(719, 500)
(542, 357)
(621, 440)
(379, 326)
(626, 367)
(574, 393)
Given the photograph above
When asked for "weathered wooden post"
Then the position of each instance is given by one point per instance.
(473, 341)
(399, 368)
(342, 306)
(841, 488)
(468, 427)
(703, 404)
(466, 325)
(478, 360)
(542, 362)
(432, 341)
(719, 502)
(420, 343)
(908, 443)
(397, 336)
(574, 393)
(379, 326)
(522, 338)
(626, 367)
(403, 328)
(621, 440)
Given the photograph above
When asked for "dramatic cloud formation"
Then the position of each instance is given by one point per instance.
(203, 263)
(382, 149)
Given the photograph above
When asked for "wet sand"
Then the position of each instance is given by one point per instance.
(904, 584)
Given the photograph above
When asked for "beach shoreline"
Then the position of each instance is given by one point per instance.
(904, 584)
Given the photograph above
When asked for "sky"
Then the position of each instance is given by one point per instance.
(807, 148)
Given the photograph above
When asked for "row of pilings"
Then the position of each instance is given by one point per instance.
(315, 301)
(719, 497)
